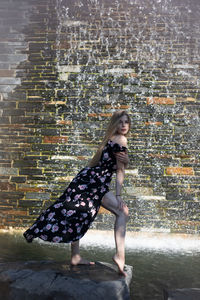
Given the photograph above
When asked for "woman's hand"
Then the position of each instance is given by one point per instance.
(122, 157)
(120, 203)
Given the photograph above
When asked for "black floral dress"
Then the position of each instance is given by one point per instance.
(69, 218)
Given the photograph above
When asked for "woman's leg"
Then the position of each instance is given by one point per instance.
(110, 202)
(76, 259)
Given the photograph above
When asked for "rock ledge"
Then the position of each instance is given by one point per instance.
(49, 280)
(182, 294)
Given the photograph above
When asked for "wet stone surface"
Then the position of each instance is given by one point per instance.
(57, 280)
(182, 294)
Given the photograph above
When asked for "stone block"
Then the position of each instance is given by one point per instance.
(10, 81)
(69, 69)
(17, 95)
(45, 120)
(4, 65)
(24, 163)
(4, 105)
(8, 171)
(121, 71)
(7, 73)
(182, 294)
(48, 131)
(29, 171)
(41, 196)
(50, 148)
(6, 88)
(28, 203)
(51, 280)
(13, 112)
(38, 46)
(22, 120)
(18, 179)
(11, 195)
(4, 120)
(30, 105)
(34, 139)
(13, 58)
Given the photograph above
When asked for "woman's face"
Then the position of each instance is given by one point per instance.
(123, 126)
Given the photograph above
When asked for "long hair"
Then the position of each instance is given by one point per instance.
(111, 130)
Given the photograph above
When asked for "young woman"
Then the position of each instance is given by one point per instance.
(69, 218)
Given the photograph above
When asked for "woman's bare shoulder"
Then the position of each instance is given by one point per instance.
(120, 139)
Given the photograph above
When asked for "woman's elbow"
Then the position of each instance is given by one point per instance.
(120, 170)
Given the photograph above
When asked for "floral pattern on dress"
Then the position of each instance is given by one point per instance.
(69, 218)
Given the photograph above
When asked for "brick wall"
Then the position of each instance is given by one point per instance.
(65, 66)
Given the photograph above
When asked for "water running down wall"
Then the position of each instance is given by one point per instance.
(65, 66)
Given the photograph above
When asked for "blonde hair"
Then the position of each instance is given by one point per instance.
(111, 130)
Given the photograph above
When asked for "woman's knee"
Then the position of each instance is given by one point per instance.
(109, 202)
(124, 212)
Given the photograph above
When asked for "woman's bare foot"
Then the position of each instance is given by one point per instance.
(78, 260)
(120, 263)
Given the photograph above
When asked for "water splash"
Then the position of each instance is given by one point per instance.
(148, 242)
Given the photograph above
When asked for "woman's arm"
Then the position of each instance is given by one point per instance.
(120, 172)
(123, 158)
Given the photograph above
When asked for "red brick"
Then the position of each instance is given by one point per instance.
(30, 189)
(81, 157)
(130, 75)
(55, 139)
(179, 171)
(102, 210)
(160, 100)
(183, 156)
(92, 115)
(101, 114)
(14, 212)
(106, 114)
(63, 122)
(153, 123)
(124, 107)
(62, 45)
(187, 223)
(4, 186)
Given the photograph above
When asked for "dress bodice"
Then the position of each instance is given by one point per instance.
(108, 159)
